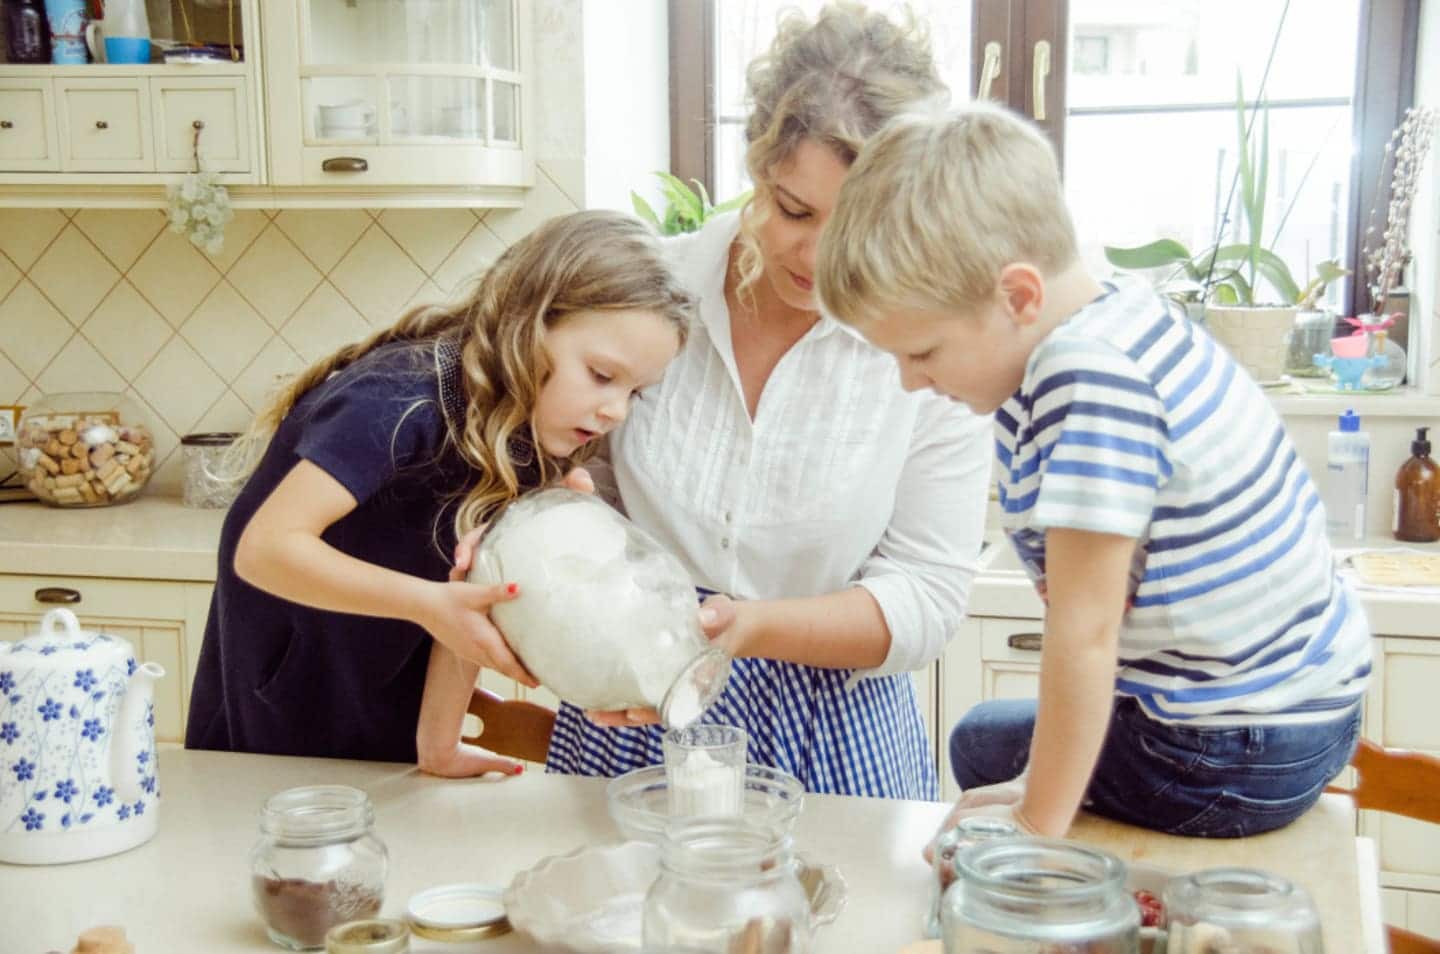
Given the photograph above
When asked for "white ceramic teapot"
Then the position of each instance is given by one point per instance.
(77, 745)
(606, 617)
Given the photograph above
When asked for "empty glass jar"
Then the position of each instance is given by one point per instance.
(85, 449)
(208, 482)
(1034, 896)
(1239, 911)
(317, 863)
(961, 835)
(726, 885)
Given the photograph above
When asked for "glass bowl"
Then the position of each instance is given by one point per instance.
(639, 801)
(85, 449)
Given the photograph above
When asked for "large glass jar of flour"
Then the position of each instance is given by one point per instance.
(606, 617)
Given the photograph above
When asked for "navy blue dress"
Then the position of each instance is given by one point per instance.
(281, 678)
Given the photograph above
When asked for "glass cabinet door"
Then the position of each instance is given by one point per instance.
(408, 72)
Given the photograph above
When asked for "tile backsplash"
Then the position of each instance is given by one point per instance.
(112, 300)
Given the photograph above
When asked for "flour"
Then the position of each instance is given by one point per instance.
(700, 784)
(606, 618)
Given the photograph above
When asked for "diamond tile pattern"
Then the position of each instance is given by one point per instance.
(201, 341)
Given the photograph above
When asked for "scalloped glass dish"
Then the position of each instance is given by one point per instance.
(639, 801)
(591, 900)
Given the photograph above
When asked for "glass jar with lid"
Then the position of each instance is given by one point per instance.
(85, 449)
(1036, 896)
(1239, 911)
(956, 838)
(316, 864)
(726, 884)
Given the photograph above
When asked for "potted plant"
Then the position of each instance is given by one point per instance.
(1248, 294)
(685, 209)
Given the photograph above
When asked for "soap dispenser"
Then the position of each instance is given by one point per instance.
(1417, 494)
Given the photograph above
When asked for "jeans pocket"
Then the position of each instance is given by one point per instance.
(1232, 815)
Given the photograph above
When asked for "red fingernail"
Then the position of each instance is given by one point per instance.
(518, 770)
(512, 588)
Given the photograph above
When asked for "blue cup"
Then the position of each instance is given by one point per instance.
(127, 49)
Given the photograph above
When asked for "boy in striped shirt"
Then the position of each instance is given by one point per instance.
(1202, 662)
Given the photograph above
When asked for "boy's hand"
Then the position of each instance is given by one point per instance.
(466, 761)
(717, 615)
(458, 616)
(999, 795)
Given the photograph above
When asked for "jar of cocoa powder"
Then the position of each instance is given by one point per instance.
(317, 863)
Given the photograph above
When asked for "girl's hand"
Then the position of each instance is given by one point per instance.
(717, 615)
(458, 616)
(466, 761)
(578, 480)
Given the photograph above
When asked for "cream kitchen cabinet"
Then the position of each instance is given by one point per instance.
(366, 95)
(164, 620)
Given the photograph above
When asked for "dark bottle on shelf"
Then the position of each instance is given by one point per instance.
(27, 32)
(1417, 494)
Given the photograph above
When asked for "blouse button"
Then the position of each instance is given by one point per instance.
(724, 543)
(728, 516)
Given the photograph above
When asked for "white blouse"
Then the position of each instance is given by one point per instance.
(842, 478)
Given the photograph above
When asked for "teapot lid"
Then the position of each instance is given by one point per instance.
(63, 642)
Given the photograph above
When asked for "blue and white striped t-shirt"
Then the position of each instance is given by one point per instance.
(1131, 420)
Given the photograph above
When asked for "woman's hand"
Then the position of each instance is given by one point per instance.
(458, 616)
(717, 619)
(466, 761)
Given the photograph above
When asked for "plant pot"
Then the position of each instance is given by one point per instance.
(1255, 336)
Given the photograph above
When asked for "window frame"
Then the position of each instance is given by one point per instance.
(1384, 88)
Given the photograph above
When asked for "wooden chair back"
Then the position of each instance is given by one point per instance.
(1399, 783)
(511, 727)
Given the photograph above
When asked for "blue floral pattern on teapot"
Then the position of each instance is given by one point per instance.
(77, 743)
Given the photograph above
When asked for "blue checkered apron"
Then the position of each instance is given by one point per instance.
(867, 740)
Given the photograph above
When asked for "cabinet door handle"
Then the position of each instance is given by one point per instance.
(101, 124)
(345, 164)
(1025, 642)
(198, 124)
(57, 594)
(6, 124)
(989, 70)
(1041, 69)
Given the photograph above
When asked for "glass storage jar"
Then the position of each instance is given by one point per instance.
(726, 884)
(956, 838)
(208, 482)
(85, 449)
(316, 864)
(1239, 911)
(1036, 896)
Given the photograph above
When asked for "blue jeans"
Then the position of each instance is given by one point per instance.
(1210, 782)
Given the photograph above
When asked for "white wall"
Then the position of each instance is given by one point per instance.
(1425, 221)
(627, 99)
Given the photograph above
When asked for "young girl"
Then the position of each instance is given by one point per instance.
(333, 560)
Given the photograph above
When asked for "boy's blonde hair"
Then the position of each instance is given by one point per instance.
(585, 261)
(835, 81)
(935, 206)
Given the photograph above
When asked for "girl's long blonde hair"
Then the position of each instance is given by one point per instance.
(586, 261)
(835, 81)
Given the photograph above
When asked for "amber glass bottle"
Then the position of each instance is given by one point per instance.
(1417, 494)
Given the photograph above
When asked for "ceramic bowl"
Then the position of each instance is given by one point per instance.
(593, 899)
(639, 801)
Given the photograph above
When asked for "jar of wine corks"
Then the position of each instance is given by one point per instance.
(318, 863)
(84, 449)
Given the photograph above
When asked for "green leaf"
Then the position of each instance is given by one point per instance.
(704, 196)
(680, 195)
(733, 203)
(1224, 294)
(1330, 270)
(1157, 253)
(642, 209)
(1277, 273)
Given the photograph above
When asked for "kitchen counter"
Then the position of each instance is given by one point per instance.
(150, 538)
(188, 888)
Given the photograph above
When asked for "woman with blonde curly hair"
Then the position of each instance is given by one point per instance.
(837, 519)
(333, 561)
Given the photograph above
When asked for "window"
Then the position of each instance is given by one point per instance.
(1139, 97)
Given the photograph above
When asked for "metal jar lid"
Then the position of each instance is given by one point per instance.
(458, 912)
(370, 936)
(210, 439)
